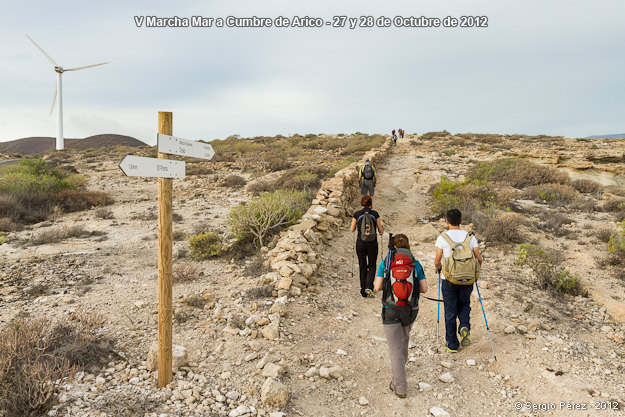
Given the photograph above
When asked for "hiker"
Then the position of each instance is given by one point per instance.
(400, 304)
(401, 133)
(394, 138)
(460, 271)
(367, 221)
(393, 132)
(366, 178)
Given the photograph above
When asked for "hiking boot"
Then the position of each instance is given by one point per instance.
(369, 293)
(451, 350)
(363, 293)
(464, 337)
(392, 388)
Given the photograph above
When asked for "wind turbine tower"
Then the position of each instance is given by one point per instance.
(60, 144)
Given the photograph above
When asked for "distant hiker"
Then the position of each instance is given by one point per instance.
(393, 132)
(366, 178)
(401, 133)
(401, 282)
(367, 222)
(458, 256)
(394, 139)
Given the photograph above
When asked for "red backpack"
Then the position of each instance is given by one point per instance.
(401, 281)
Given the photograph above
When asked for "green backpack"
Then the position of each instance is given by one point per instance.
(462, 267)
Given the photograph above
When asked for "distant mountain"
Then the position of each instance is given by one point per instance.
(613, 136)
(38, 145)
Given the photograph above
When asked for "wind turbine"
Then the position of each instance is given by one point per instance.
(59, 88)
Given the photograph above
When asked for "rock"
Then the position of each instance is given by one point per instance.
(233, 395)
(363, 401)
(304, 225)
(99, 382)
(424, 386)
(250, 357)
(311, 372)
(471, 362)
(335, 372)
(271, 331)
(446, 377)
(606, 329)
(446, 364)
(341, 352)
(274, 393)
(284, 283)
(311, 236)
(279, 308)
(509, 329)
(277, 414)
(141, 304)
(180, 356)
(324, 372)
(522, 329)
(438, 412)
(272, 370)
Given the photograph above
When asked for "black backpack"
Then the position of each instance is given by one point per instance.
(366, 224)
(367, 172)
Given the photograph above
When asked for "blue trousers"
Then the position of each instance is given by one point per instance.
(457, 303)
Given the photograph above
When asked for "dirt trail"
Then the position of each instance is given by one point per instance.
(529, 367)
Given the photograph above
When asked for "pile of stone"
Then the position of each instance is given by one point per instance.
(295, 260)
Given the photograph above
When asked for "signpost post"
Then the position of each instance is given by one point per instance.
(164, 262)
(165, 169)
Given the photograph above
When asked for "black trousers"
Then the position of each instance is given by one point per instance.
(367, 256)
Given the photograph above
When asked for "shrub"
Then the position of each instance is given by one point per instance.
(449, 152)
(505, 228)
(198, 168)
(458, 142)
(552, 194)
(195, 301)
(467, 196)
(234, 181)
(548, 271)
(267, 214)
(432, 135)
(36, 353)
(206, 245)
(104, 213)
(604, 235)
(264, 291)
(586, 186)
(516, 173)
(616, 243)
(553, 222)
(185, 271)
(3, 239)
(73, 200)
(61, 233)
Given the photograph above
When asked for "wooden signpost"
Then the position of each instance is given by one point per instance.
(165, 169)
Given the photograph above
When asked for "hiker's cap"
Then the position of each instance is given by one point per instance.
(367, 160)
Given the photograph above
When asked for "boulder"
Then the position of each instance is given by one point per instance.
(180, 356)
(271, 331)
(274, 393)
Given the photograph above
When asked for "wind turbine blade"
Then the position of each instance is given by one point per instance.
(42, 51)
(54, 97)
(87, 66)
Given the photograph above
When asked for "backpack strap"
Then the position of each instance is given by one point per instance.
(451, 243)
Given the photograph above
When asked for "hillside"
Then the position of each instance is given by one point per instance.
(612, 136)
(284, 331)
(39, 145)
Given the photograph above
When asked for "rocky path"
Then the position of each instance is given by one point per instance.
(545, 361)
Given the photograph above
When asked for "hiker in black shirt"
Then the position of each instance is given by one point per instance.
(367, 222)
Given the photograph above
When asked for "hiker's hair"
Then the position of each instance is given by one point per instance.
(366, 201)
(453, 216)
(401, 241)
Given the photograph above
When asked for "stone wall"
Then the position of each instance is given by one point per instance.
(294, 260)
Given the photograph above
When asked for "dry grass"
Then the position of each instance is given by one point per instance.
(104, 213)
(263, 291)
(185, 272)
(516, 173)
(505, 228)
(233, 181)
(586, 186)
(35, 353)
(552, 194)
(59, 234)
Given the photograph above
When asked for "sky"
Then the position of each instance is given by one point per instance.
(539, 67)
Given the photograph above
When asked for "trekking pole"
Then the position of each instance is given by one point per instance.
(438, 310)
(485, 321)
(354, 255)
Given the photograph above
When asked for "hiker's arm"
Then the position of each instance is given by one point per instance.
(423, 286)
(353, 226)
(379, 278)
(478, 255)
(377, 283)
(380, 227)
(437, 261)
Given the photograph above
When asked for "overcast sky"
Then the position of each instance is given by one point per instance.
(540, 67)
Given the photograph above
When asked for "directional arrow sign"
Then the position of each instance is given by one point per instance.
(184, 147)
(138, 166)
